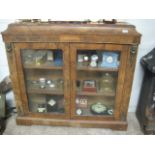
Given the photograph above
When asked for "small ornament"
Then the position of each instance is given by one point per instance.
(107, 83)
(51, 102)
(110, 111)
(79, 112)
(41, 108)
(89, 86)
(40, 57)
(98, 108)
(50, 56)
(42, 82)
(34, 82)
(50, 84)
(77, 101)
(58, 58)
(59, 84)
(52, 105)
(86, 60)
(81, 102)
(94, 59)
(80, 58)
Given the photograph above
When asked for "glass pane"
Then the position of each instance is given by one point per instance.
(98, 59)
(42, 58)
(46, 103)
(97, 74)
(43, 72)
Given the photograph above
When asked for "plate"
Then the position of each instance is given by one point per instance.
(98, 108)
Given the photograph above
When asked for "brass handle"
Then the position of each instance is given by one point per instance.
(133, 49)
(133, 52)
(8, 47)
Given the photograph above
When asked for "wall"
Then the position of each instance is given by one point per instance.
(4, 70)
(145, 27)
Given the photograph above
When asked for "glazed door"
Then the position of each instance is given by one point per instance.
(97, 78)
(43, 70)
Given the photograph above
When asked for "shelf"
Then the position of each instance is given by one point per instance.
(96, 94)
(44, 91)
(43, 67)
(97, 69)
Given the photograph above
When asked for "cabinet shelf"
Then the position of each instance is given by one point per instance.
(96, 94)
(43, 67)
(44, 91)
(97, 69)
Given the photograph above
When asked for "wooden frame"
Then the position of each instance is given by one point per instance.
(121, 77)
(18, 47)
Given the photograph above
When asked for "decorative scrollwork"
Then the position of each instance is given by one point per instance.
(9, 47)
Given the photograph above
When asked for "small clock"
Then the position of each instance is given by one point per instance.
(110, 60)
(79, 112)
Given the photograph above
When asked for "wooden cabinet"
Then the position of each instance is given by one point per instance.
(72, 74)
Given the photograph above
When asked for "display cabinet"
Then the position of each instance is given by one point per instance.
(72, 73)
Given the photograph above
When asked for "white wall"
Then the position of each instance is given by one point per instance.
(145, 27)
(3, 61)
(4, 70)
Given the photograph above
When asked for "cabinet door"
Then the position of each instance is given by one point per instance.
(97, 75)
(43, 70)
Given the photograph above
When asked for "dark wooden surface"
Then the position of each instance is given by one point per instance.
(115, 125)
(90, 33)
(69, 38)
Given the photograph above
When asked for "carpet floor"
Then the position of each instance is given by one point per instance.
(13, 129)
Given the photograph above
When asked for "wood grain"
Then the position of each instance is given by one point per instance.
(72, 33)
(115, 125)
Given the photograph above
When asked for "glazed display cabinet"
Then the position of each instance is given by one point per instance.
(72, 73)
